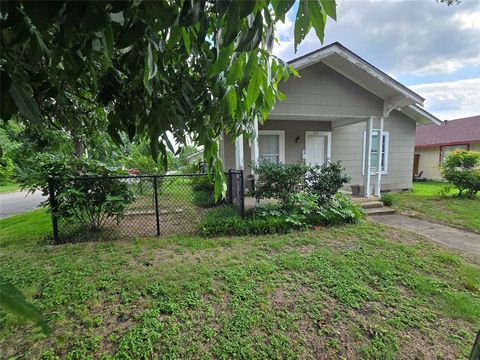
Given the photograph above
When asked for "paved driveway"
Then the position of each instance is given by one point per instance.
(451, 237)
(19, 202)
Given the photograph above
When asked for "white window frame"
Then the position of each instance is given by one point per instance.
(386, 141)
(281, 142)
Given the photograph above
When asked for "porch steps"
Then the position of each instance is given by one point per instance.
(373, 206)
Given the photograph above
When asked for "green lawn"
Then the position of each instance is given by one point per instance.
(12, 187)
(359, 291)
(426, 202)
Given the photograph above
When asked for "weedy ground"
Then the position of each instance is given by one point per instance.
(358, 291)
(427, 201)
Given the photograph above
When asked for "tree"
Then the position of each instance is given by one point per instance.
(189, 67)
(462, 168)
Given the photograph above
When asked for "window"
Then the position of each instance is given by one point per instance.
(271, 146)
(374, 152)
(445, 150)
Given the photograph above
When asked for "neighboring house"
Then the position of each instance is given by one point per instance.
(334, 111)
(433, 144)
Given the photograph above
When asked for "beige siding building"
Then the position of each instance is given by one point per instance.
(336, 110)
(433, 143)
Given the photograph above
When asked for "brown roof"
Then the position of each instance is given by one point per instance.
(452, 132)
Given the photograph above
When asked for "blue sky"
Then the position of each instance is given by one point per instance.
(430, 47)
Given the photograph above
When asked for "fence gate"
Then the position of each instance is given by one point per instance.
(102, 208)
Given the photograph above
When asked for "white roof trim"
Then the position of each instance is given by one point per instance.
(337, 48)
(421, 112)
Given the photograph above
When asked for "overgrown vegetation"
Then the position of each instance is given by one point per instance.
(356, 291)
(87, 202)
(388, 199)
(462, 169)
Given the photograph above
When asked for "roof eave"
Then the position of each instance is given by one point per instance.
(337, 48)
(422, 113)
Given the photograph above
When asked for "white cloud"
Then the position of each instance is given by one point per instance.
(452, 99)
(410, 38)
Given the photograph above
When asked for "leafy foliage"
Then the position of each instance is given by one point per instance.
(87, 201)
(198, 67)
(326, 179)
(278, 181)
(462, 168)
(388, 199)
(225, 221)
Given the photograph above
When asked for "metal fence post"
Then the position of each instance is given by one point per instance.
(156, 204)
(230, 187)
(242, 195)
(53, 209)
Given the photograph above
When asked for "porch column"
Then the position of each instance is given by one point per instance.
(368, 160)
(254, 145)
(380, 158)
(239, 153)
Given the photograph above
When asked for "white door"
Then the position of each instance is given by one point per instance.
(317, 147)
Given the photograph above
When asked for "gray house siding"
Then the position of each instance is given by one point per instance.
(347, 146)
(322, 91)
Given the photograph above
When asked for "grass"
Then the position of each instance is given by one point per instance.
(425, 201)
(7, 188)
(358, 291)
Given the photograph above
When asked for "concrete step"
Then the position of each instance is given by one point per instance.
(379, 211)
(361, 199)
(371, 204)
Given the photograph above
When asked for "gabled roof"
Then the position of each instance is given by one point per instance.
(452, 132)
(364, 74)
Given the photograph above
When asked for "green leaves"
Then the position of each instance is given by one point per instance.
(250, 40)
(330, 8)
(192, 68)
(253, 88)
(232, 101)
(302, 23)
(13, 300)
(26, 105)
(318, 18)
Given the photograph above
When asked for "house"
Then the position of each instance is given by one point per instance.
(334, 111)
(433, 143)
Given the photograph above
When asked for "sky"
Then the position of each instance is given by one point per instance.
(432, 48)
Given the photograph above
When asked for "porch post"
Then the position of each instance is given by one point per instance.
(380, 156)
(368, 154)
(239, 153)
(254, 145)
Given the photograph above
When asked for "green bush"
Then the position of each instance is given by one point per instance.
(462, 168)
(7, 169)
(81, 198)
(202, 191)
(388, 199)
(326, 180)
(340, 210)
(278, 181)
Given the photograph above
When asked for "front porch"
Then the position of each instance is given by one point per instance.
(316, 141)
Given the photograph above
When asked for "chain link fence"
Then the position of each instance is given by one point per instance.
(113, 207)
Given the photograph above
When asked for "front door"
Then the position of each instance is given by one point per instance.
(317, 147)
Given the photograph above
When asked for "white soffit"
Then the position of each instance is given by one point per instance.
(421, 116)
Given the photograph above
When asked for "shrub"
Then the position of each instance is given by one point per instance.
(203, 191)
(340, 210)
(278, 181)
(7, 169)
(462, 168)
(326, 180)
(88, 202)
(388, 199)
